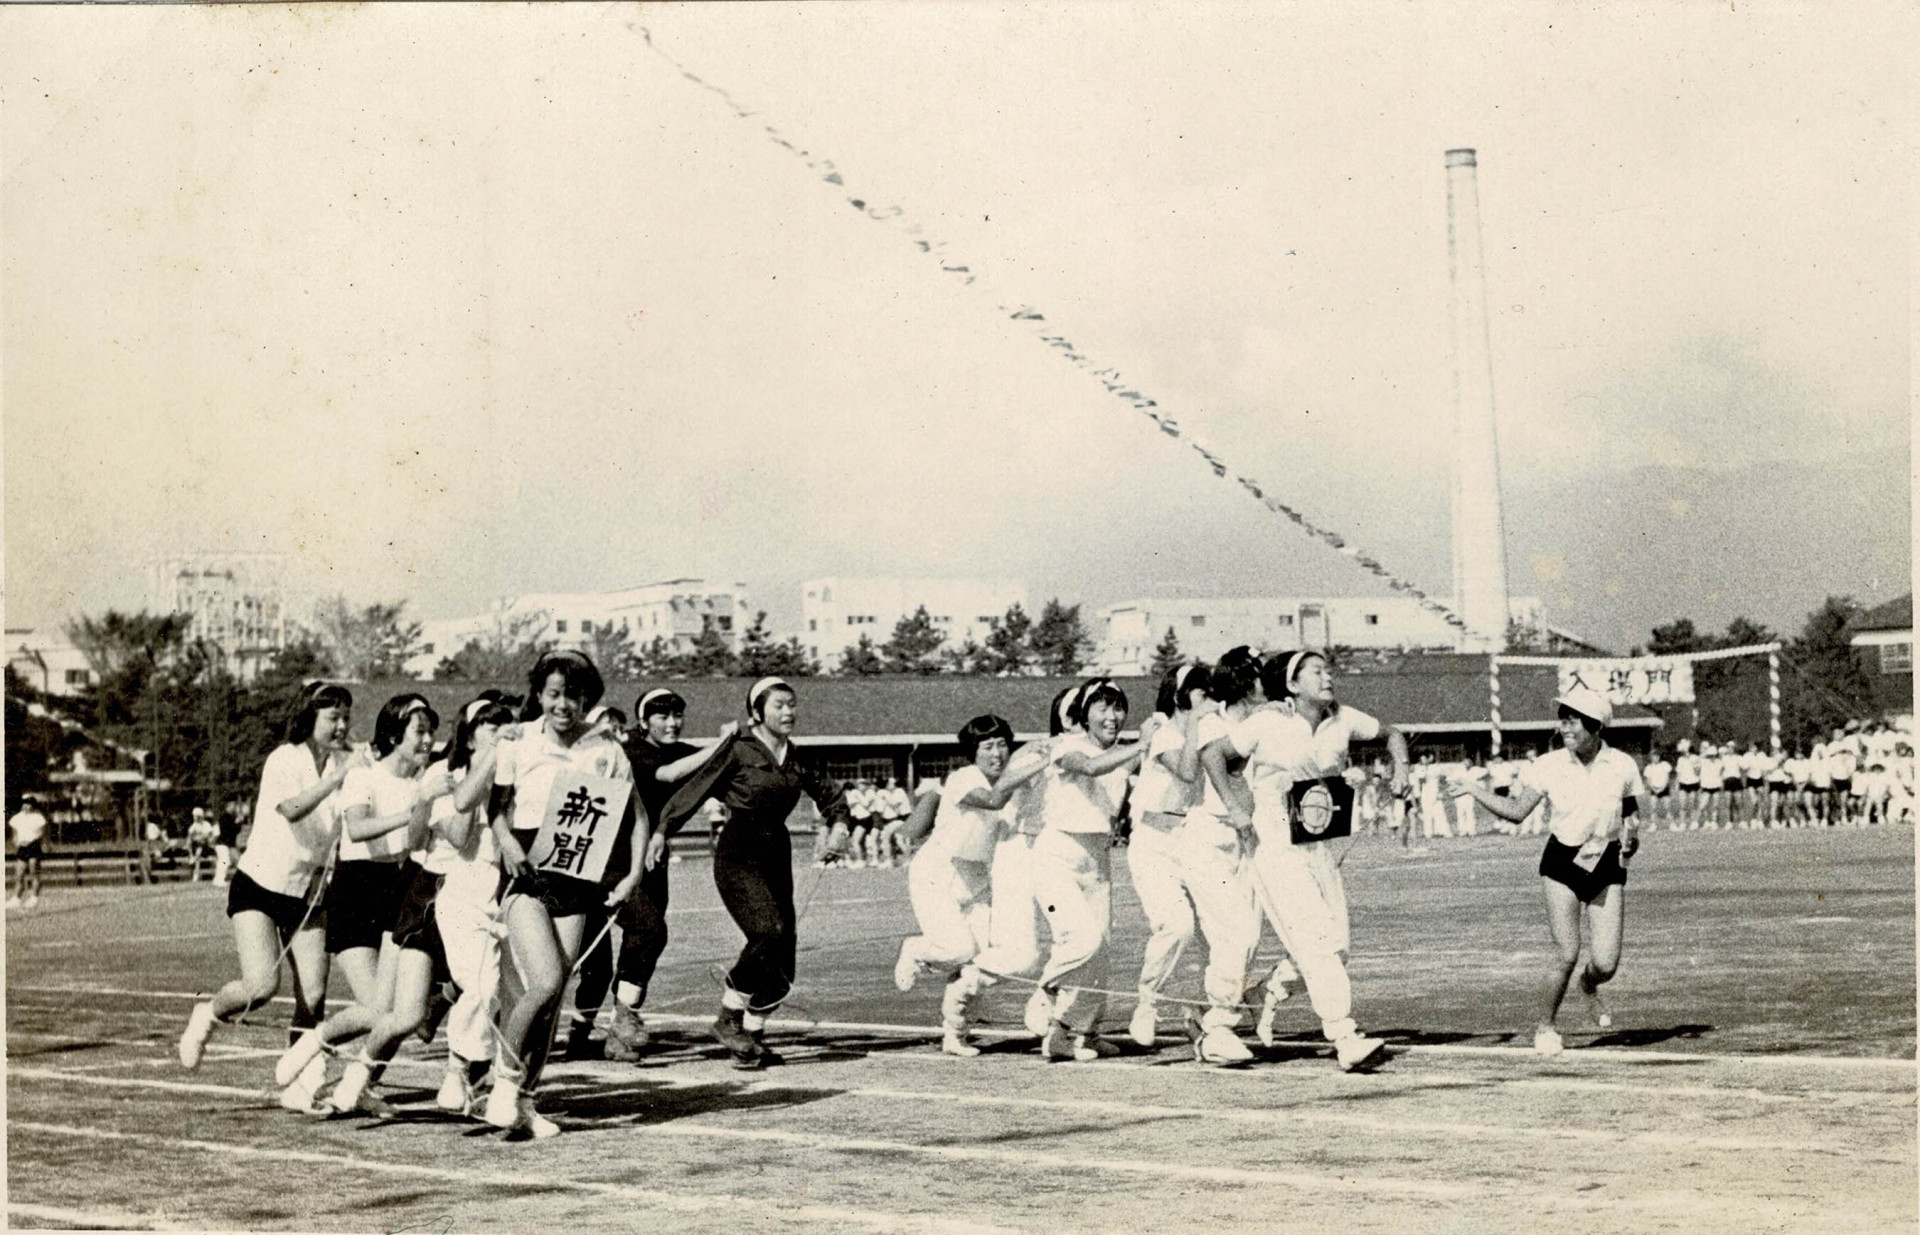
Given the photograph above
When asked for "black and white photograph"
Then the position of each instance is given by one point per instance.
(959, 617)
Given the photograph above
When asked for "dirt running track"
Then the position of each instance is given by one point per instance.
(1760, 1078)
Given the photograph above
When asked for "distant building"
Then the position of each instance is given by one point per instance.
(835, 612)
(236, 602)
(48, 661)
(674, 611)
(1882, 639)
(1205, 627)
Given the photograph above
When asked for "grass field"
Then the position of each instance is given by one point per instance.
(1760, 1077)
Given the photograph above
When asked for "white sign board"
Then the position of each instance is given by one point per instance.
(1644, 680)
(580, 825)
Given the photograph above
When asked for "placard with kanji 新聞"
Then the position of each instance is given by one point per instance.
(580, 825)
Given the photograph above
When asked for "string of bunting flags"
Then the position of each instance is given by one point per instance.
(1036, 324)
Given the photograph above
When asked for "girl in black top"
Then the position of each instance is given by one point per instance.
(758, 776)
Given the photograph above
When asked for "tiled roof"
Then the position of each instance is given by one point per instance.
(1896, 614)
(1418, 693)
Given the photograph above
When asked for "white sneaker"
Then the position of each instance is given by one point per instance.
(1141, 1027)
(302, 1096)
(1546, 1041)
(1062, 1045)
(1356, 1052)
(1223, 1047)
(352, 1087)
(455, 1094)
(905, 969)
(305, 1049)
(1269, 1008)
(503, 1104)
(193, 1042)
(539, 1125)
(1286, 971)
(1039, 1013)
(954, 1042)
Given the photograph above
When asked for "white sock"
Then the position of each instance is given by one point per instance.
(754, 1022)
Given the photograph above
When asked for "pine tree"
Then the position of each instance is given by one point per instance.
(914, 646)
(1059, 642)
(860, 660)
(1008, 652)
(1166, 656)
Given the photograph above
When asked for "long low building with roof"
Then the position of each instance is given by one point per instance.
(878, 727)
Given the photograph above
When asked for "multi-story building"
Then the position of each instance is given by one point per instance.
(1206, 627)
(835, 612)
(675, 611)
(236, 602)
(48, 661)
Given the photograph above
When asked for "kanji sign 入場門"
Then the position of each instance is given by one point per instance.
(1648, 679)
(580, 825)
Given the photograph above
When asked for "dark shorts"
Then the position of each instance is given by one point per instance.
(563, 895)
(1557, 864)
(1779, 786)
(286, 912)
(414, 926)
(363, 901)
(1685, 786)
(29, 852)
(1842, 784)
(1662, 791)
(1755, 782)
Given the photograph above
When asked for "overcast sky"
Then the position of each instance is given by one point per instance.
(453, 303)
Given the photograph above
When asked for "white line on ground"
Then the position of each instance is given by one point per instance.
(784, 1211)
(89, 1219)
(1572, 1056)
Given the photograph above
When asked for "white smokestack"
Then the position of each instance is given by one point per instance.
(1479, 536)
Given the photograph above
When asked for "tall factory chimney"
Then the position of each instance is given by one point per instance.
(1479, 536)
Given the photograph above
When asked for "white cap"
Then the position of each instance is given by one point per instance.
(1589, 703)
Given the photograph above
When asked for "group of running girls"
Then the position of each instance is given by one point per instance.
(431, 883)
(426, 883)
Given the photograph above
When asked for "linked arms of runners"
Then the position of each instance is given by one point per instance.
(1234, 793)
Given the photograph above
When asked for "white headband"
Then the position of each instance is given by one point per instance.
(761, 687)
(474, 709)
(1180, 676)
(658, 692)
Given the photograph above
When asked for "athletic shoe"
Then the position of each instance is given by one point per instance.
(193, 1042)
(305, 1049)
(730, 1033)
(353, 1085)
(1356, 1053)
(537, 1125)
(455, 1094)
(1141, 1027)
(627, 1034)
(1059, 1045)
(33, 898)
(905, 969)
(1596, 1004)
(503, 1104)
(1546, 1041)
(302, 1096)
(1039, 1012)
(1101, 1048)
(1286, 971)
(1221, 1047)
(769, 1058)
(954, 1042)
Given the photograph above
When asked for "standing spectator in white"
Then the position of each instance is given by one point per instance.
(1659, 775)
(28, 827)
(1596, 792)
(1686, 776)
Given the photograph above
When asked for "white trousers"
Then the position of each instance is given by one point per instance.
(1433, 817)
(1013, 922)
(1196, 869)
(464, 912)
(951, 902)
(1303, 895)
(1073, 880)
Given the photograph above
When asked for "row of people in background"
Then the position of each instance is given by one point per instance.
(874, 838)
(1862, 775)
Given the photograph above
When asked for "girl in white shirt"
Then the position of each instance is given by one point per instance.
(1298, 876)
(544, 910)
(272, 900)
(1596, 792)
(1013, 920)
(1169, 785)
(1086, 781)
(949, 879)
